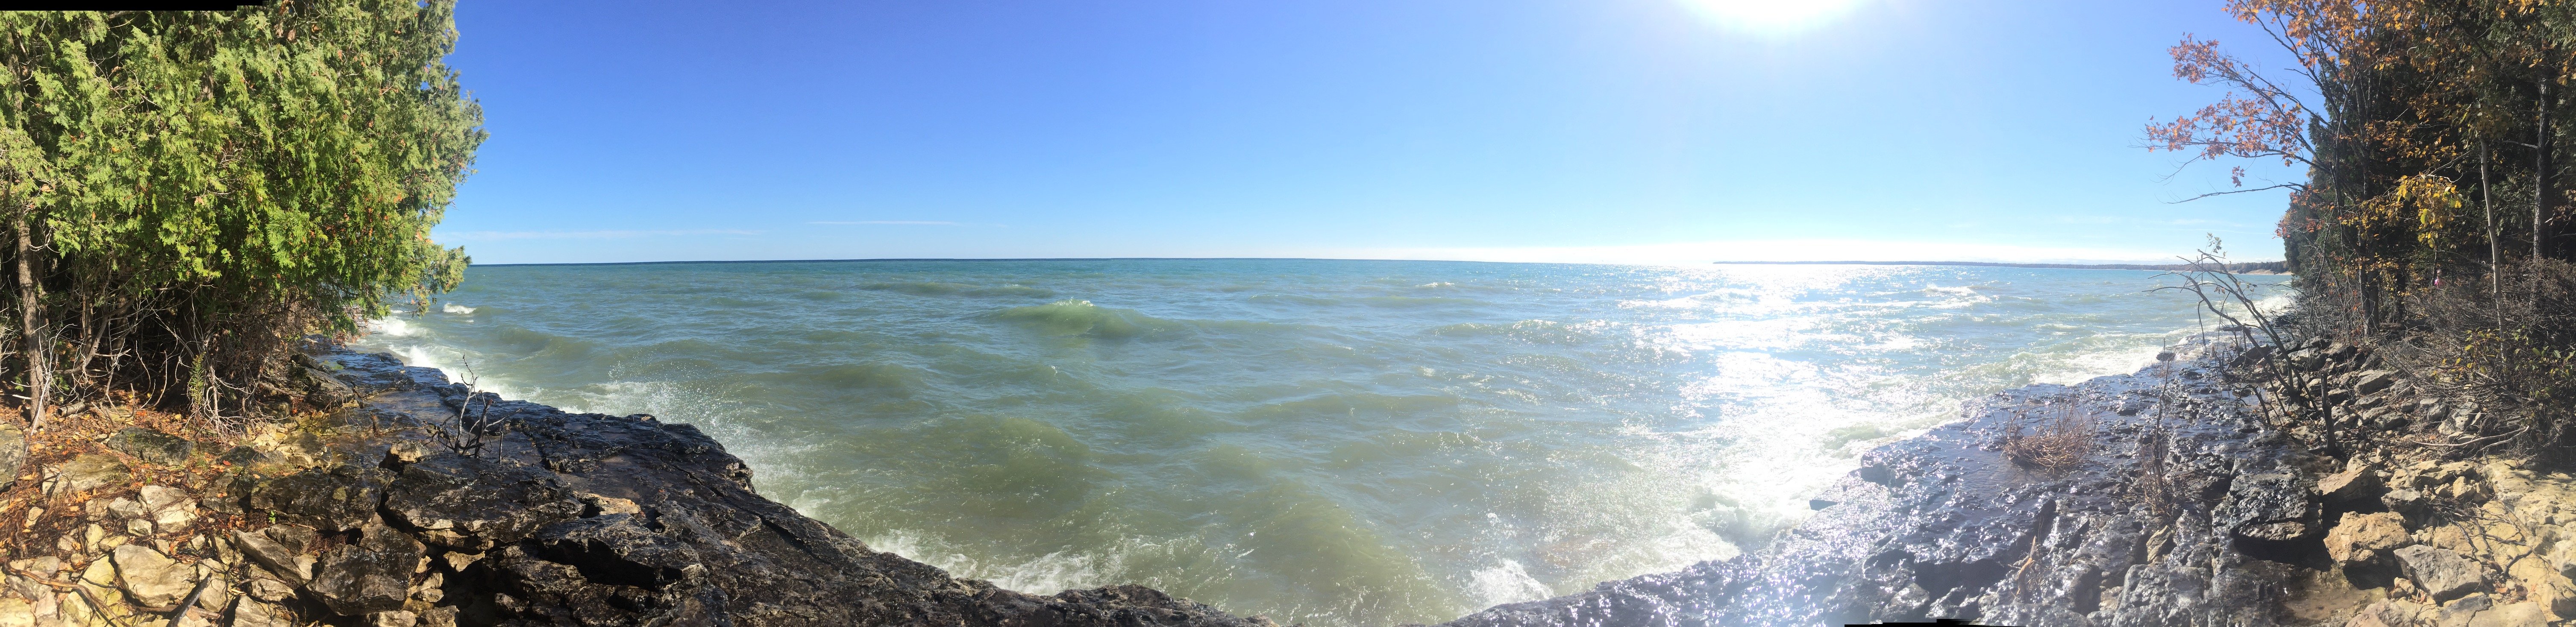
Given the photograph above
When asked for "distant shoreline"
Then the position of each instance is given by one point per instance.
(2251, 267)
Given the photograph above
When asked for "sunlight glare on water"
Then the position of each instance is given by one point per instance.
(1327, 442)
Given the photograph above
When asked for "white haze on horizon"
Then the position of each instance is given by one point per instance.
(1698, 253)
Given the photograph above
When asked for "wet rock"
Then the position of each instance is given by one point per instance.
(88, 472)
(319, 389)
(152, 447)
(2441, 573)
(372, 575)
(619, 549)
(150, 578)
(2269, 506)
(338, 498)
(396, 618)
(472, 503)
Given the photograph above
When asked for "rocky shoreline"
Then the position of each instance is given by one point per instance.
(358, 518)
(2194, 505)
(2185, 504)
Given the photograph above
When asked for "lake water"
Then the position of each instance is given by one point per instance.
(1328, 442)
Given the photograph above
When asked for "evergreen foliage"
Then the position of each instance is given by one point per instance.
(189, 192)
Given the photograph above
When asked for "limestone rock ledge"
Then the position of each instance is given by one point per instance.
(564, 519)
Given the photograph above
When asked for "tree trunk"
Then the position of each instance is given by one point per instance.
(30, 337)
(2495, 252)
(2540, 175)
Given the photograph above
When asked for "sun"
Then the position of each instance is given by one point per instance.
(1770, 16)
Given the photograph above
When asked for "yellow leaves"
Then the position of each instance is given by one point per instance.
(2428, 202)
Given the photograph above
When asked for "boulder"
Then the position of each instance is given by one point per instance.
(2270, 506)
(2440, 572)
(2372, 381)
(370, 576)
(150, 578)
(2357, 485)
(151, 447)
(2357, 535)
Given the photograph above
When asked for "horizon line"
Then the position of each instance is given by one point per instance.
(2059, 266)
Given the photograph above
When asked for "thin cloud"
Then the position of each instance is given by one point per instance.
(909, 222)
(472, 236)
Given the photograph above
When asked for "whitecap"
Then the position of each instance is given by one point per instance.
(1506, 582)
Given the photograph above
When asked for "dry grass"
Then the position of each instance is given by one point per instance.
(2057, 443)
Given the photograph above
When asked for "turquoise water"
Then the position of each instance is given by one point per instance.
(1328, 442)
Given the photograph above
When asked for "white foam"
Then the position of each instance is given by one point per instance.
(390, 326)
(457, 309)
(1506, 582)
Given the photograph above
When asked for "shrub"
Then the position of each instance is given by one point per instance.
(189, 192)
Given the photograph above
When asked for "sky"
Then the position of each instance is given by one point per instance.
(1610, 131)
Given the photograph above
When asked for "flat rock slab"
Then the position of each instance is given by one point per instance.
(150, 578)
(2440, 572)
(153, 447)
(337, 499)
(89, 472)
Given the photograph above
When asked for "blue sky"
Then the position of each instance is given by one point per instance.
(1663, 131)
